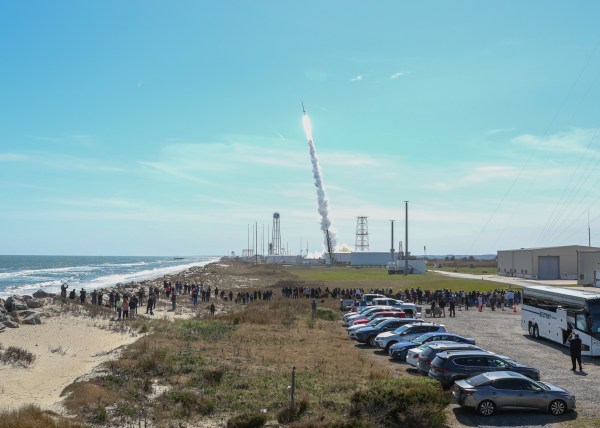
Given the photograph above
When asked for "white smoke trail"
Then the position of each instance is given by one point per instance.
(318, 176)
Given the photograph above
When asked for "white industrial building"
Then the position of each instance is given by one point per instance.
(546, 263)
(588, 267)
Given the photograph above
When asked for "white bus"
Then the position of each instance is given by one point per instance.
(554, 312)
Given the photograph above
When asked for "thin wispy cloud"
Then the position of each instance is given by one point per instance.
(60, 162)
(357, 78)
(499, 131)
(576, 140)
(399, 74)
(107, 203)
(12, 157)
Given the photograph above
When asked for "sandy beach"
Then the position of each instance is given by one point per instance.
(79, 344)
(70, 345)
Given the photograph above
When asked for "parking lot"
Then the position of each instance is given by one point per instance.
(501, 332)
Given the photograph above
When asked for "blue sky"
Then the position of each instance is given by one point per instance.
(162, 128)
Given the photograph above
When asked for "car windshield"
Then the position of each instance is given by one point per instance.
(541, 385)
(422, 338)
(376, 321)
(401, 329)
(478, 380)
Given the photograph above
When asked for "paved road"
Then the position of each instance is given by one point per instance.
(509, 280)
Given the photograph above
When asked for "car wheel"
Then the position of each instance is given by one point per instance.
(486, 408)
(388, 346)
(371, 341)
(557, 407)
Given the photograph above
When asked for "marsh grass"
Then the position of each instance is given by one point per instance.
(32, 416)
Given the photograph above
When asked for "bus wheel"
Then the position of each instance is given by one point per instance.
(531, 330)
(536, 332)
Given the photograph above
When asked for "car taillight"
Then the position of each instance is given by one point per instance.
(426, 360)
(440, 369)
(466, 392)
(416, 356)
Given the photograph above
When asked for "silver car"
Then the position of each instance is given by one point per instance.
(490, 391)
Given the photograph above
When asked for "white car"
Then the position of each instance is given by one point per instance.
(406, 333)
(412, 357)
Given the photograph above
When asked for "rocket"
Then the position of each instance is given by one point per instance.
(303, 111)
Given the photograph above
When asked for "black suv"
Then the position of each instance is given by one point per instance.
(453, 365)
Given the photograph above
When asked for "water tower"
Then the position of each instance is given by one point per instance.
(275, 247)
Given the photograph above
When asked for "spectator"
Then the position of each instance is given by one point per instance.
(575, 350)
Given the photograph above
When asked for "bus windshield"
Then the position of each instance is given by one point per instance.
(594, 308)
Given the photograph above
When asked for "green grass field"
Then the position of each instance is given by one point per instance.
(350, 277)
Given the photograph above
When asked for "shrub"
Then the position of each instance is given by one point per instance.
(17, 356)
(188, 403)
(405, 402)
(247, 420)
(207, 330)
(32, 416)
(287, 414)
(327, 314)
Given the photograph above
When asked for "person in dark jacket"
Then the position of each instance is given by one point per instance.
(575, 350)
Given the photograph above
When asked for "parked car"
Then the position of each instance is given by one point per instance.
(368, 297)
(450, 366)
(491, 391)
(399, 350)
(372, 323)
(434, 348)
(388, 314)
(364, 312)
(406, 333)
(368, 334)
(364, 315)
(386, 301)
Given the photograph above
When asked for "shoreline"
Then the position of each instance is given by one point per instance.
(132, 278)
(69, 346)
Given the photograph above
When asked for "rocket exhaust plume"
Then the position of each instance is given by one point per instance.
(318, 176)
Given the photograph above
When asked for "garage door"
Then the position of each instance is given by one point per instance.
(548, 267)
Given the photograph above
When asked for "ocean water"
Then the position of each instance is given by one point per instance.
(27, 274)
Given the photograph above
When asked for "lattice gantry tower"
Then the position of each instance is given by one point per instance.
(362, 234)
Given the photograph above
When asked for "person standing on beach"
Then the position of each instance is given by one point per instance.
(174, 300)
(100, 295)
(212, 309)
(94, 297)
(63, 290)
(133, 306)
(150, 304)
(82, 296)
(313, 306)
(195, 295)
(125, 308)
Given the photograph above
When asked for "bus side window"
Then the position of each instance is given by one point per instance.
(581, 323)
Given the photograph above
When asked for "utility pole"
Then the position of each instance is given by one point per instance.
(589, 231)
(392, 249)
(256, 243)
(406, 252)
